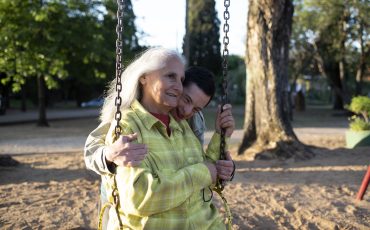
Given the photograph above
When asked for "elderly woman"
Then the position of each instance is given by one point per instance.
(164, 192)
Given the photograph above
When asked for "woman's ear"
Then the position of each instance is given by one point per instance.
(142, 80)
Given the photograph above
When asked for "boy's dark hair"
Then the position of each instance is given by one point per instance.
(201, 77)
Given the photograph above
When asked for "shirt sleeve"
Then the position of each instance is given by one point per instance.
(213, 148)
(94, 151)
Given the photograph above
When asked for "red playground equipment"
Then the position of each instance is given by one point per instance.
(365, 183)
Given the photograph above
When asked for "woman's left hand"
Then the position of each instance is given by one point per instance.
(225, 120)
(225, 168)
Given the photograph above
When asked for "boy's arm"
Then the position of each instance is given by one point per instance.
(95, 150)
(198, 126)
(103, 158)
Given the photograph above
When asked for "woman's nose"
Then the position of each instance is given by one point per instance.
(179, 87)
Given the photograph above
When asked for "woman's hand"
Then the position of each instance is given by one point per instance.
(225, 120)
(225, 168)
(212, 170)
(125, 153)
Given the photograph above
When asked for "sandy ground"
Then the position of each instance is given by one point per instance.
(51, 189)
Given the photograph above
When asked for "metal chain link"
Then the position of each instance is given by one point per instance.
(225, 55)
(118, 100)
(119, 66)
(224, 99)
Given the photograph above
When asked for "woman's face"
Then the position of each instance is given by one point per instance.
(163, 88)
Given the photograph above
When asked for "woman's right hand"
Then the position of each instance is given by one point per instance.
(226, 168)
(212, 170)
(123, 152)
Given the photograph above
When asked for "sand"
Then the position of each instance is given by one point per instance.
(51, 189)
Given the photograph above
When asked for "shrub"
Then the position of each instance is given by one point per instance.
(360, 105)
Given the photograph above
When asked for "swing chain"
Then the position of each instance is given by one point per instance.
(225, 54)
(119, 65)
(118, 100)
(220, 185)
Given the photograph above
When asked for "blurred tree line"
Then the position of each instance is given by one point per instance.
(202, 47)
(331, 39)
(64, 50)
(60, 49)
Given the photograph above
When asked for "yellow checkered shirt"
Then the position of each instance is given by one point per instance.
(165, 191)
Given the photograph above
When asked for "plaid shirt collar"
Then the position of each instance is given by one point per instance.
(149, 120)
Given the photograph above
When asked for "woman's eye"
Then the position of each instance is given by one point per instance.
(171, 76)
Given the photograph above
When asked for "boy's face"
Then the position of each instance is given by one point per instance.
(193, 99)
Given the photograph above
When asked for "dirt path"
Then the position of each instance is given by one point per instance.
(51, 189)
(70, 136)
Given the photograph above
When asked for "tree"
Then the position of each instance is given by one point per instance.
(236, 83)
(93, 63)
(64, 42)
(335, 30)
(201, 42)
(268, 132)
(33, 43)
(85, 50)
(360, 31)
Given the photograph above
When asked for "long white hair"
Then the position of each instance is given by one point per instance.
(150, 60)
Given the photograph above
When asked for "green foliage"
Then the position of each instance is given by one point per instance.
(108, 30)
(335, 28)
(70, 43)
(33, 40)
(203, 34)
(236, 79)
(358, 124)
(210, 111)
(37, 41)
(360, 105)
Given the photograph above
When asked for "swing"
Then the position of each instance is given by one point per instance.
(118, 100)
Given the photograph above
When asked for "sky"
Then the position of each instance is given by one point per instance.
(163, 22)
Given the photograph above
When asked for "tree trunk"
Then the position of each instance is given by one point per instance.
(342, 63)
(2, 95)
(340, 96)
(333, 78)
(359, 75)
(7, 90)
(362, 65)
(268, 132)
(186, 38)
(23, 98)
(41, 88)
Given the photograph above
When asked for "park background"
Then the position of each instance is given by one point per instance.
(57, 57)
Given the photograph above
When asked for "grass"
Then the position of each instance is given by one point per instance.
(17, 104)
(313, 116)
(210, 116)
